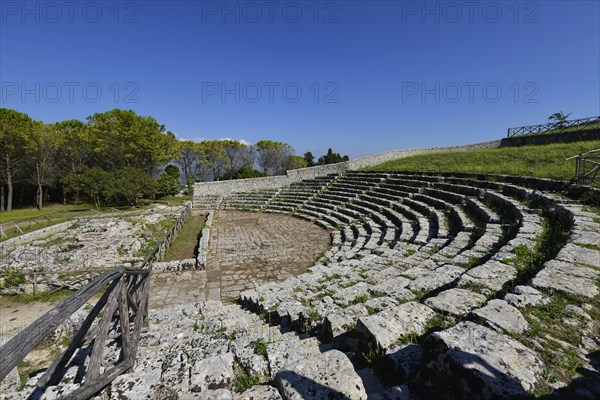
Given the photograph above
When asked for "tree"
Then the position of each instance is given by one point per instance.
(294, 162)
(331, 158)
(122, 139)
(15, 130)
(169, 183)
(95, 183)
(42, 159)
(132, 184)
(309, 158)
(188, 159)
(74, 150)
(559, 119)
(246, 172)
(271, 156)
(236, 155)
(213, 157)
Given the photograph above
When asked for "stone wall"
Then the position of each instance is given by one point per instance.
(203, 242)
(34, 235)
(549, 138)
(296, 175)
(166, 242)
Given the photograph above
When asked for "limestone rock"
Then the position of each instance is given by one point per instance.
(406, 360)
(524, 296)
(217, 394)
(329, 375)
(492, 275)
(389, 286)
(289, 350)
(338, 323)
(469, 361)
(438, 278)
(568, 278)
(456, 301)
(578, 254)
(387, 327)
(501, 316)
(10, 383)
(259, 392)
(214, 372)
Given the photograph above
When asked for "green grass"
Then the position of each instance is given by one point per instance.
(244, 380)
(31, 212)
(185, 244)
(260, 347)
(13, 277)
(569, 129)
(173, 200)
(546, 161)
(44, 297)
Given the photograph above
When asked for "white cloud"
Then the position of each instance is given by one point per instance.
(242, 141)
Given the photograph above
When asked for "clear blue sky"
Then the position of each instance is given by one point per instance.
(390, 74)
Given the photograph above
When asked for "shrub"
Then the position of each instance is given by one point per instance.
(14, 278)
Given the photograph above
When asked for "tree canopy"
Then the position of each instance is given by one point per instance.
(118, 157)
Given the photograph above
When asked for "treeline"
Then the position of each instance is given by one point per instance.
(117, 157)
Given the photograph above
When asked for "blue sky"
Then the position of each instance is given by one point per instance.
(358, 76)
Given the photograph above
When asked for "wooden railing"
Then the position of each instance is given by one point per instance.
(587, 167)
(121, 310)
(556, 127)
(123, 304)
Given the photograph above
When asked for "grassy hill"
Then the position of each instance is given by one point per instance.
(547, 161)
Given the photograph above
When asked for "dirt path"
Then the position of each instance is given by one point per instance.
(16, 316)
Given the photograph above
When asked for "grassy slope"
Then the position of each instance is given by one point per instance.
(538, 161)
(29, 212)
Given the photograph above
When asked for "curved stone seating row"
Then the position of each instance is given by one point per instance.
(207, 202)
(296, 194)
(255, 200)
(413, 252)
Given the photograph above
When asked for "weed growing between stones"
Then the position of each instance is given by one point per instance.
(471, 263)
(350, 327)
(377, 360)
(244, 380)
(409, 252)
(260, 347)
(557, 332)
(328, 278)
(530, 261)
(589, 246)
(477, 288)
(361, 298)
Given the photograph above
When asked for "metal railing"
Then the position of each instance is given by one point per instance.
(587, 167)
(575, 125)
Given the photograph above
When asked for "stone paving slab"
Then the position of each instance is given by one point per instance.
(248, 249)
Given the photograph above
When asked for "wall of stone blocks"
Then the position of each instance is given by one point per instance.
(549, 138)
(224, 188)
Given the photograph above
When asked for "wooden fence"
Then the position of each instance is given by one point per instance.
(587, 167)
(120, 313)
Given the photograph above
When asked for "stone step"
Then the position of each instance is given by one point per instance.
(488, 363)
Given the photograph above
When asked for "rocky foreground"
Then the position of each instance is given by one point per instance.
(435, 286)
(56, 255)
